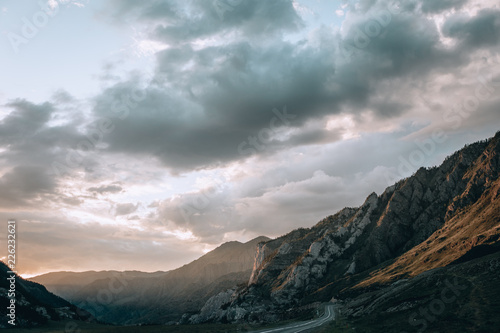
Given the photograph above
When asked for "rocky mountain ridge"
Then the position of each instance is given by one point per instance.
(432, 219)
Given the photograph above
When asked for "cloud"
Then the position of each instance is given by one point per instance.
(31, 138)
(125, 208)
(42, 236)
(207, 213)
(25, 186)
(302, 119)
(480, 30)
(24, 121)
(29, 145)
(224, 94)
(106, 189)
(179, 22)
(430, 6)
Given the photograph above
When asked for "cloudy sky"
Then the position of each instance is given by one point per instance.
(142, 134)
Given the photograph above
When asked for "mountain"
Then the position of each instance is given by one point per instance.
(461, 297)
(68, 284)
(133, 297)
(442, 219)
(34, 305)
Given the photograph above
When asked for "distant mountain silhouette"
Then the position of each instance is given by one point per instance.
(136, 297)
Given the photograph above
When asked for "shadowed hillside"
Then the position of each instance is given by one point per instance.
(34, 305)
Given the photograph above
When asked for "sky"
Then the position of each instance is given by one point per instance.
(138, 135)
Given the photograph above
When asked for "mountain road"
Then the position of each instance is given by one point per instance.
(329, 315)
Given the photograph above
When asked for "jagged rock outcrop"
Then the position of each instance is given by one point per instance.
(381, 237)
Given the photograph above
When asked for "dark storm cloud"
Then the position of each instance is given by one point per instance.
(218, 106)
(184, 21)
(218, 97)
(240, 83)
(409, 47)
(478, 31)
(433, 6)
(314, 136)
(388, 109)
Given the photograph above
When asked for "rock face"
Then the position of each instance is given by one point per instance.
(136, 297)
(452, 209)
(463, 297)
(34, 305)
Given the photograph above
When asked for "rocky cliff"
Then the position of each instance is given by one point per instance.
(434, 218)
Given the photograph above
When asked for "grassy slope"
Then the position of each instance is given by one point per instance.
(451, 242)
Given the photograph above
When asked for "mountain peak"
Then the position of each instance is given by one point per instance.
(259, 239)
